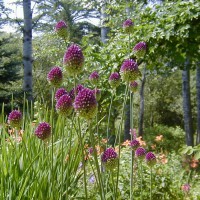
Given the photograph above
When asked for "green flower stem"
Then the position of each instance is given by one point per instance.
(97, 124)
(132, 152)
(113, 185)
(141, 179)
(96, 163)
(62, 155)
(151, 183)
(119, 135)
(108, 123)
(52, 128)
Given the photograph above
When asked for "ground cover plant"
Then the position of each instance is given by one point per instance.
(58, 152)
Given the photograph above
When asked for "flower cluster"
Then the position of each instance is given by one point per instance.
(55, 76)
(140, 49)
(94, 78)
(140, 153)
(78, 89)
(73, 60)
(60, 92)
(114, 80)
(128, 26)
(133, 86)
(129, 70)
(150, 159)
(61, 29)
(64, 105)
(15, 119)
(43, 130)
(85, 104)
(109, 158)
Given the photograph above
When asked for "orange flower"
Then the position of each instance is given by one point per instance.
(153, 146)
(159, 138)
(163, 159)
(104, 140)
(194, 163)
(126, 143)
(142, 142)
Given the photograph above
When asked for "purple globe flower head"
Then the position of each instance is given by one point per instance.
(59, 93)
(114, 80)
(150, 159)
(140, 49)
(109, 158)
(85, 104)
(140, 153)
(43, 130)
(133, 86)
(129, 70)
(73, 60)
(128, 26)
(61, 29)
(97, 94)
(94, 78)
(55, 76)
(134, 144)
(78, 89)
(15, 119)
(64, 105)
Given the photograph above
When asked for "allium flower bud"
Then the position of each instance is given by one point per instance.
(133, 86)
(129, 70)
(97, 94)
(94, 78)
(59, 93)
(128, 26)
(114, 80)
(85, 104)
(64, 105)
(140, 153)
(78, 89)
(150, 159)
(109, 158)
(73, 60)
(134, 144)
(43, 130)
(15, 119)
(61, 29)
(55, 76)
(140, 49)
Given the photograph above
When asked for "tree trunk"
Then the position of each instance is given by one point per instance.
(187, 104)
(198, 102)
(141, 112)
(104, 28)
(27, 49)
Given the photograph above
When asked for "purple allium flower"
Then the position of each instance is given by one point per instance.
(64, 105)
(73, 60)
(97, 93)
(43, 130)
(15, 119)
(128, 26)
(78, 89)
(85, 104)
(133, 86)
(150, 159)
(61, 29)
(140, 153)
(90, 150)
(114, 80)
(94, 78)
(134, 144)
(55, 76)
(140, 49)
(109, 158)
(129, 70)
(185, 187)
(59, 93)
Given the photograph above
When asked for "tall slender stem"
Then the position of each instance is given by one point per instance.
(151, 183)
(141, 177)
(132, 152)
(109, 119)
(62, 156)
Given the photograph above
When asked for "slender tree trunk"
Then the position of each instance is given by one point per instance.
(141, 112)
(104, 18)
(187, 104)
(27, 48)
(198, 102)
